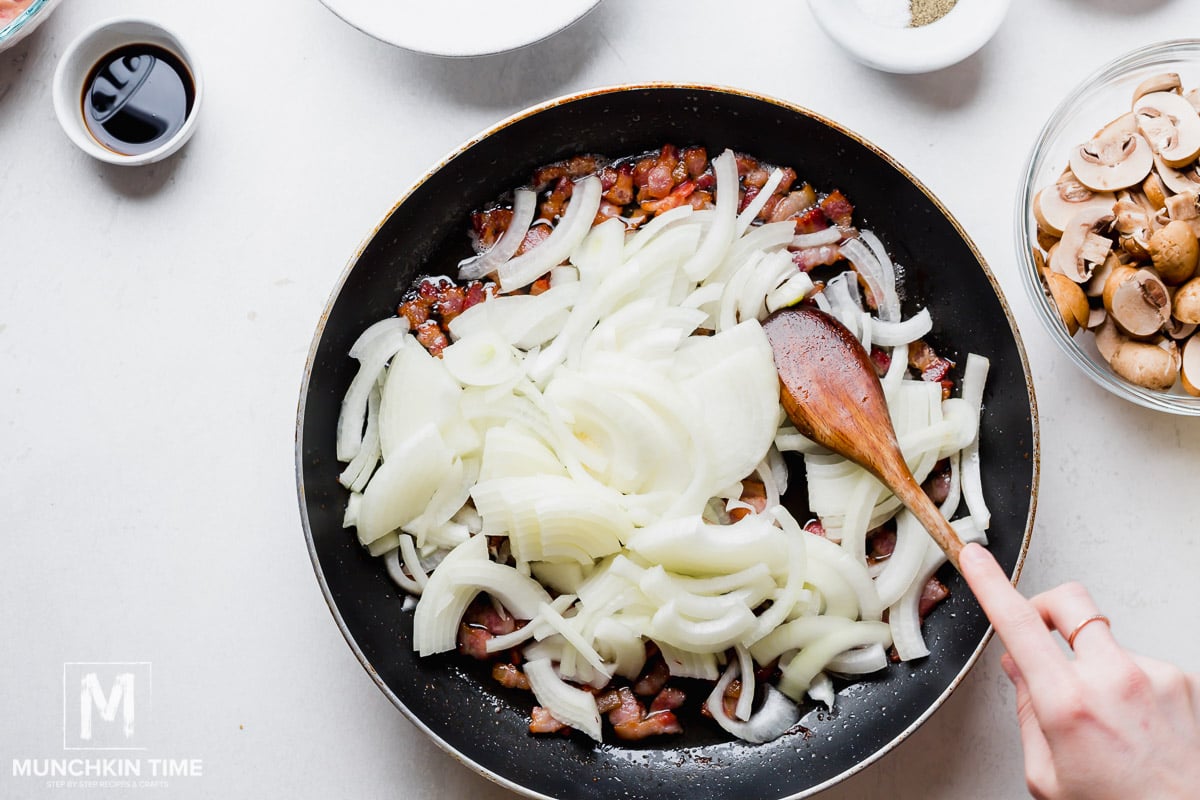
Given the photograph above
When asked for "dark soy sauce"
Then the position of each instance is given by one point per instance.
(136, 98)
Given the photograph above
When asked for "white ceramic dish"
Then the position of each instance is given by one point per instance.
(460, 28)
(23, 24)
(83, 54)
(959, 34)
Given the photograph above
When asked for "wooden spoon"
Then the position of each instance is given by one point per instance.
(832, 395)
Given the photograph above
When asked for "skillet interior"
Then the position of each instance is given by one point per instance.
(457, 703)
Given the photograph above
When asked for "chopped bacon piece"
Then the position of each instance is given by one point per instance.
(668, 699)
(541, 721)
(811, 221)
(653, 678)
(536, 235)
(606, 212)
(700, 200)
(789, 205)
(414, 311)
(490, 225)
(556, 202)
(754, 493)
(815, 527)
(881, 543)
(933, 368)
(745, 164)
(450, 304)
(432, 337)
(810, 258)
(659, 183)
(937, 485)
(540, 285)
(620, 191)
(837, 209)
(676, 198)
(483, 613)
(628, 709)
(546, 176)
(510, 676)
(607, 701)
(748, 197)
(756, 178)
(477, 293)
(706, 182)
(472, 641)
(934, 592)
(695, 160)
(579, 166)
(881, 360)
(657, 724)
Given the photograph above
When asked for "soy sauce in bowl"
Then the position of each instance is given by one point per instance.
(137, 98)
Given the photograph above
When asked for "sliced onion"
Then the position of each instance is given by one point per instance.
(872, 273)
(374, 349)
(524, 204)
(574, 225)
(860, 661)
(889, 334)
(750, 212)
(974, 375)
(829, 236)
(777, 716)
(567, 704)
(721, 232)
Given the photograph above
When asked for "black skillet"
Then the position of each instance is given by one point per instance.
(456, 703)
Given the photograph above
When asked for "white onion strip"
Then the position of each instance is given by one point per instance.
(524, 204)
(574, 225)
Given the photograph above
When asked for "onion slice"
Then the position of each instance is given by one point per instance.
(571, 230)
(524, 204)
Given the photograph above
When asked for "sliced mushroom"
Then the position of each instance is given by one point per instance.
(1166, 82)
(1117, 158)
(1171, 125)
(1189, 370)
(1045, 238)
(1133, 225)
(1140, 304)
(1096, 318)
(1182, 180)
(1055, 206)
(1082, 249)
(1155, 191)
(1153, 366)
(1070, 300)
(1179, 330)
(1184, 206)
(1186, 305)
(1175, 252)
(1095, 284)
(1193, 97)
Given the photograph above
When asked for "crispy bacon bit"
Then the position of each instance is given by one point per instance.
(545, 177)
(431, 337)
(541, 721)
(881, 543)
(789, 205)
(540, 285)
(628, 708)
(510, 676)
(450, 304)
(933, 368)
(810, 258)
(700, 200)
(812, 221)
(607, 701)
(881, 360)
(657, 724)
(937, 485)
(668, 699)
(653, 678)
(754, 493)
(579, 166)
(815, 527)
(490, 225)
(695, 161)
(472, 641)
(619, 191)
(706, 182)
(934, 592)
(536, 235)
(748, 197)
(414, 311)
(477, 293)
(676, 198)
(556, 202)
(837, 209)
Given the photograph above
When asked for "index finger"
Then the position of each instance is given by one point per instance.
(1017, 621)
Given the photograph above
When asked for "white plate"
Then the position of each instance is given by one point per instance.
(460, 27)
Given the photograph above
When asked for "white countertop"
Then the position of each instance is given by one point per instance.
(154, 325)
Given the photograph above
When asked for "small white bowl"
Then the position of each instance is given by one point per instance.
(84, 53)
(968, 27)
(23, 24)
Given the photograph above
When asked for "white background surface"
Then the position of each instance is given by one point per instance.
(154, 325)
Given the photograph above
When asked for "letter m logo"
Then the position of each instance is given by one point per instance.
(105, 705)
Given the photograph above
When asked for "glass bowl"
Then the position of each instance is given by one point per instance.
(23, 24)
(1101, 98)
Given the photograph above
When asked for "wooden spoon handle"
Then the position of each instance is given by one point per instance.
(915, 499)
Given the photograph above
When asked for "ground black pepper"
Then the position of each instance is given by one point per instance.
(927, 11)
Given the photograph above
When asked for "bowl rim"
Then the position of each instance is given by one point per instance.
(19, 21)
(1035, 443)
(1025, 231)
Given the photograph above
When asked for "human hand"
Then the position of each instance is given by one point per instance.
(1105, 724)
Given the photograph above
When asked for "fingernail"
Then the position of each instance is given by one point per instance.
(972, 553)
